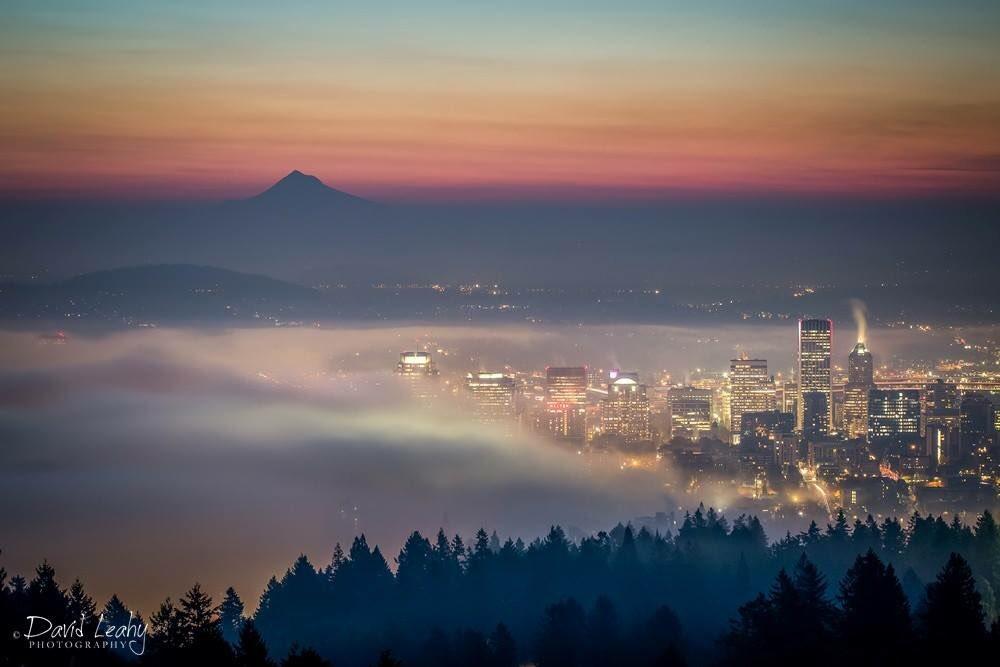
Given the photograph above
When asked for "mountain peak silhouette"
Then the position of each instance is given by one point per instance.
(299, 189)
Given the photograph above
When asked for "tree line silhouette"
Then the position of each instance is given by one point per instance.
(621, 597)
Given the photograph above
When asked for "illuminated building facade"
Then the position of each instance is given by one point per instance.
(420, 373)
(893, 415)
(625, 413)
(860, 380)
(815, 408)
(690, 412)
(493, 396)
(750, 390)
(566, 402)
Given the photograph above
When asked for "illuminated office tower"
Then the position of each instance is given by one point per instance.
(815, 343)
(750, 390)
(493, 396)
(893, 415)
(690, 412)
(566, 402)
(625, 412)
(420, 373)
(860, 380)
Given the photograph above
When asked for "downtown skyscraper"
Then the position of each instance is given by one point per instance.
(493, 396)
(690, 412)
(750, 390)
(565, 414)
(860, 381)
(625, 413)
(815, 407)
(420, 374)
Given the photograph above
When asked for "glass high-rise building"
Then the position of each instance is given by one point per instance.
(690, 412)
(625, 412)
(860, 380)
(493, 396)
(566, 402)
(750, 390)
(815, 345)
(420, 373)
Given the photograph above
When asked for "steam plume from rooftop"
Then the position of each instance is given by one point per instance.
(860, 312)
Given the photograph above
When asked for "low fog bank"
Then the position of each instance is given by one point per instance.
(142, 459)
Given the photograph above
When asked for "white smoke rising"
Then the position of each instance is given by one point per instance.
(860, 312)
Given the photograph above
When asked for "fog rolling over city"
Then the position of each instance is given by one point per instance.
(176, 449)
(179, 449)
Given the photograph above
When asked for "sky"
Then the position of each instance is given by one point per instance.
(468, 100)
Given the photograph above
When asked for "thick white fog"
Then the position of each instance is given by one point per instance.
(143, 460)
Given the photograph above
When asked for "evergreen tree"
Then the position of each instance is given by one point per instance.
(199, 624)
(952, 617)
(250, 648)
(562, 636)
(80, 605)
(986, 549)
(414, 566)
(893, 539)
(503, 649)
(167, 627)
(197, 614)
(45, 598)
(304, 658)
(471, 648)
(436, 649)
(231, 617)
(115, 613)
(742, 574)
(604, 645)
(875, 620)
(386, 659)
(494, 542)
(336, 562)
(817, 611)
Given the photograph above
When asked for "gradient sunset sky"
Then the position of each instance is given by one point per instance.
(505, 100)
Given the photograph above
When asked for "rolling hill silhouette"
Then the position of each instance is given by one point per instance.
(171, 291)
